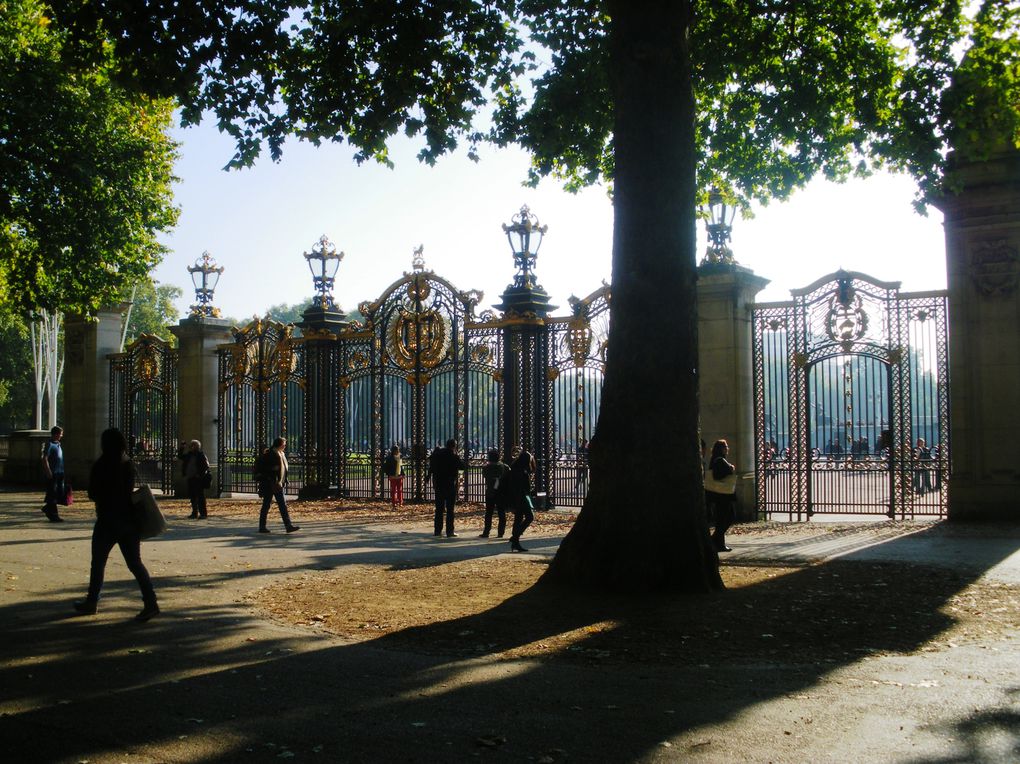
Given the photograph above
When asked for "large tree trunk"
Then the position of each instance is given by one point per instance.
(643, 523)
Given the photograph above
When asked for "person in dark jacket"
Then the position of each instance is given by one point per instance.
(195, 468)
(444, 465)
(111, 483)
(53, 466)
(521, 470)
(495, 473)
(720, 492)
(272, 477)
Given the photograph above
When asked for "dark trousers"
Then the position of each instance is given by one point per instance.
(493, 505)
(270, 492)
(196, 493)
(446, 497)
(105, 534)
(54, 489)
(723, 506)
(523, 517)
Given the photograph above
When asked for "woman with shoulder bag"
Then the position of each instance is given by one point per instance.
(721, 492)
(111, 483)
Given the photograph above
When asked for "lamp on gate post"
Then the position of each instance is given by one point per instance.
(719, 226)
(324, 262)
(525, 297)
(205, 274)
(523, 233)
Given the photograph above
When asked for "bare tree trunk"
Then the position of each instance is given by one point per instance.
(49, 364)
(643, 525)
(55, 364)
(39, 362)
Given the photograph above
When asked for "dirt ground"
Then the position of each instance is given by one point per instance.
(809, 614)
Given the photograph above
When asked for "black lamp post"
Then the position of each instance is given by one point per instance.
(205, 274)
(523, 232)
(324, 261)
(720, 226)
(525, 296)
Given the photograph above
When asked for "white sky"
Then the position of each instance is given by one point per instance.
(258, 222)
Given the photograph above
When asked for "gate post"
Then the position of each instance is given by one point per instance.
(726, 294)
(527, 382)
(320, 327)
(982, 222)
(198, 386)
(87, 344)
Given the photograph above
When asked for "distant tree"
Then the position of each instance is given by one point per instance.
(17, 392)
(288, 314)
(662, 98)
(85, 170)
(153, 310)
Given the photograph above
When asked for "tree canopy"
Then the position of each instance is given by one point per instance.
(662, 98)
(153, 309)
(784, 91)
(85, 170)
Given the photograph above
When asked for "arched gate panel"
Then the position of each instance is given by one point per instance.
(143, 405)
(851, 400)
(411, 374)
(262, 385)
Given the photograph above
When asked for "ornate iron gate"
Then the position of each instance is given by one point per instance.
(409, 378)
(579, 345)
(261, 397)
(852, 400)
(143, 405)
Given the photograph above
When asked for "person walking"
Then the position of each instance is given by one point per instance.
(111, 482)
(521, 470)
(581, 478)
(393, 469)
(53, 466)
(496, 474)
(922, 475)
(721, 492)
(444, 465)
(195, 468)
(272, 476)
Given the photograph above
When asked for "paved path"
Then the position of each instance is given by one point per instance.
(210, 681)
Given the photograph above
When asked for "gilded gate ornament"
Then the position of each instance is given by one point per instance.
(418, 338)
(147, 365)
(578, 341)
(847, 321)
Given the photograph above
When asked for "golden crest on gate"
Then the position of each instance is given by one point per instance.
(578, 341)
(147, 365)
(418, 338)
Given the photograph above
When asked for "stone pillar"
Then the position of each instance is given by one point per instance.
(87, 345)
(726, 378)
(198, 387)
(982, 223)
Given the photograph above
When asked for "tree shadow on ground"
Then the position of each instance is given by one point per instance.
(192, 687)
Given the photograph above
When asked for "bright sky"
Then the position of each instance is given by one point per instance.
(257, 223)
